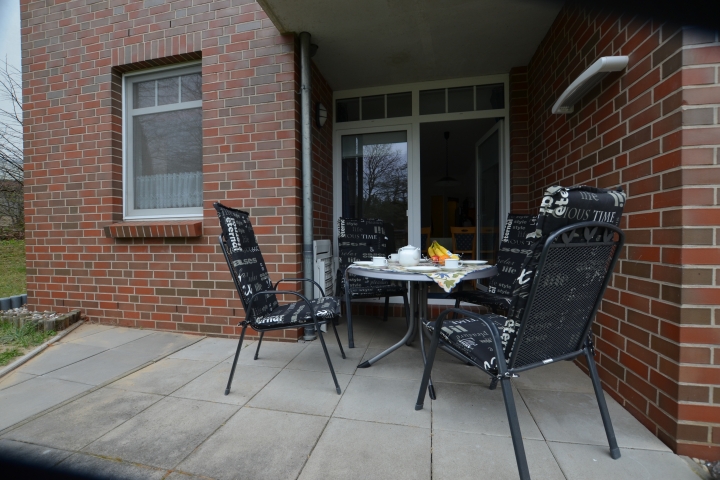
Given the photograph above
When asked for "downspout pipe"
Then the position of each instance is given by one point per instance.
(307, 176)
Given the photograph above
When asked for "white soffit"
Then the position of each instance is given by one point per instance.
(587, 80)
(365, 43)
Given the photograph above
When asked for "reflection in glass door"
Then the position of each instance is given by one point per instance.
(488, 153)
(375, 179)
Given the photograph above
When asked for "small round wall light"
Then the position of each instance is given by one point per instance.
(320, 114)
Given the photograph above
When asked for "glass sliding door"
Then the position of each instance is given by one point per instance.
(488, 157)
(375, 179)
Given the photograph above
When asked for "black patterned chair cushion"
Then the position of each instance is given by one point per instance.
(247, 261)
(361, 239)
(480, 297)
(560, 207)
(472, 337)
(326, 308)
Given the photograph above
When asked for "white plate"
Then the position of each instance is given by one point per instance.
(422, 269)
(379, 267)
(363, 263)
(450, 269)
(473, 262)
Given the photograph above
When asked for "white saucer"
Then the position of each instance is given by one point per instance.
(363, 263)
(473, 262)
(378, 267)
(422, 269)
(451, 269)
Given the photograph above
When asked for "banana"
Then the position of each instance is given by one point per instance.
(431, 251)
(443, 250)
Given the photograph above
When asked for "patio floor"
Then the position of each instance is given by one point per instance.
(128, 403)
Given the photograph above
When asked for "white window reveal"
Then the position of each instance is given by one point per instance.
(163, 144)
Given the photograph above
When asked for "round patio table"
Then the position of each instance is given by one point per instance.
(418, 302)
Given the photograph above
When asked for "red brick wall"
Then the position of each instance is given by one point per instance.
(652, 129)
(73, 55)
(519, 165)
(322, 159)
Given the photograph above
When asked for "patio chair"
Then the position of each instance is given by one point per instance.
(555, 298)
(362, 239)
(514, 245)
(259, 295)
(463, 241)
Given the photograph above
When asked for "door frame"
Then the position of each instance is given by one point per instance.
(504, 174)
(412, 125)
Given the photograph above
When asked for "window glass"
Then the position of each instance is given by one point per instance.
(348, 110)
(167, 91)
(191, 88)
(163, 154)
(432, 101)
(489, 97)
(373, 107)
(399, 105)
(460, 99)
(144, 94)
(374, 180)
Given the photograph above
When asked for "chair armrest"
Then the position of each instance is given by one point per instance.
(494, 333)
(300, 280)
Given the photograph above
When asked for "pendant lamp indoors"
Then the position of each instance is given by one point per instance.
(447, 180)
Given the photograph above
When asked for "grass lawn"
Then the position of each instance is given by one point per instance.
(17, 341)
(12, 266)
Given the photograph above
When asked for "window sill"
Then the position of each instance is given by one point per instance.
(155, 229)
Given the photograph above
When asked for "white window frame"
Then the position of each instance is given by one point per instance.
(128, 80)
(412, 125)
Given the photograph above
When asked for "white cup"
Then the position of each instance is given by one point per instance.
(452, 263)
(393, 257)
(379, 261)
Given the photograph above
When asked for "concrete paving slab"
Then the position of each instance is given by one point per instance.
(210, 386)
(475, 409)
(350, 449)
(164, 434)
(363, 331)
(84, 330)
(158, 344)
(184, 476)
(468, 455)
(301, 391)
(313, 358)
(81, 464)
(13, 378)
(575, 417)
(384, 400)
(593, 462)
(36, 455)
(257, 443)
(58, 356)
(272, 354)
(208, 350)
(558, 377)
(102, 367)
(113, 337)
(33, 396)
(388, 333)
(164, 377)
(452, 371)
(75, 425)
(404, 363)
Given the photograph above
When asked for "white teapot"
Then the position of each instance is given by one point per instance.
(409, 256)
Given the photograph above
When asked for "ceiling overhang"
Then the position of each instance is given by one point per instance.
(379, 42)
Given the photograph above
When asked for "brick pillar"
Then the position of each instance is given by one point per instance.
(519, 171)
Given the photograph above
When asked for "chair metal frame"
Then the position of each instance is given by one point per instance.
(506, 371)
(249, 317)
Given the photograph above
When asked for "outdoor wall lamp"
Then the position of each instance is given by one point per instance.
(587, 80)
(320, 114)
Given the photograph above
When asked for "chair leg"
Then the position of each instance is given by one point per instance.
(237, 354)
(406, 305)
(614, 449)
(258, 347)
(327, 357)
(431, 388)
(493, 383)
(348, 311)
(457, 305)
(342, 352)
(387, 307)
(428, 369)
(518, 445)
